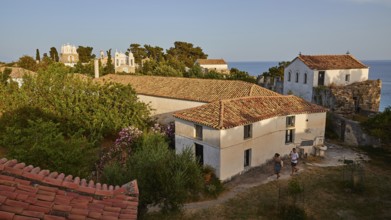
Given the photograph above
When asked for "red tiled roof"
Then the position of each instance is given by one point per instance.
(29, 193)
(210, 61)
(331, 62)
(235, 112)
(201, 90)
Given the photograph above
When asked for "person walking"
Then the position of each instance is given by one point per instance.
(277, 164)
(294, 160)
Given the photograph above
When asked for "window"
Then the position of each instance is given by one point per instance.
(198, 132)
(199, 153)
(305, 78)
(289, 136)
(289, 76)
(248, 131)
(297, 77)
(347, 77)
(290, 121)
(247, 158)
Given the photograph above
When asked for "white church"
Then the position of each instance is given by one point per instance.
(69, 55)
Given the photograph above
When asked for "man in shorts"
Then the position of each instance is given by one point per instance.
(294, 159)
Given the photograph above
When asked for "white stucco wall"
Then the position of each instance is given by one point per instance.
(215, 66)
(337, 77)
(268, 138)
(162, 108)
(300, 89)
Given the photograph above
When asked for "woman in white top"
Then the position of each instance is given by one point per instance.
(294, 159)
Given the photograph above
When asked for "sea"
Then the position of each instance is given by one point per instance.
(378, 69)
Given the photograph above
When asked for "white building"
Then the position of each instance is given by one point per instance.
(218, 65)
(236, 134)
(306, 72)
(169, 94)
(124, 63)
(69, 55)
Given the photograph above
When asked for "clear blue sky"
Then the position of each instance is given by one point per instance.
(250, 30)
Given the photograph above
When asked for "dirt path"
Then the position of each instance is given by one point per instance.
(334, 157)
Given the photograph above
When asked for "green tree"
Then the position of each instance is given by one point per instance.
(185, 52)
(380, 126)
(154, 53)
(109, 65)
(236, 74)
(277, 71)
(54, 54)
(101, 110)
(165, 178)
(5, 75)
(194, 72)
(139, 53)
(41, 143)
(37, 56)
(85, 54)
(27, 62)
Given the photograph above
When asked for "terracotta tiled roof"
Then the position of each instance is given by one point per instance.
(29, 193)
(331, 62)
(235, 112)
(202, 90)
(18, 72)
(210, 61)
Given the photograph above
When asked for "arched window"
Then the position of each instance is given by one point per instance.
(289, 76)
(305, 78)
(297, 77)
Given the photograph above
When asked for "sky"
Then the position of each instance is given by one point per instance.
(248, 30)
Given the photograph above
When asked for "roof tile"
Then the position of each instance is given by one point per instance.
(200, 90)
(330, 62)
(235, 112)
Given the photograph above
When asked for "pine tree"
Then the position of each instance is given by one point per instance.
(109, 65)
(37, 56)
(54, 54)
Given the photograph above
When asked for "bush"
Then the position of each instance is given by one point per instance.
(40, 142)
(292, 212)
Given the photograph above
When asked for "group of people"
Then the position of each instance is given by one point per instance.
(278, 163)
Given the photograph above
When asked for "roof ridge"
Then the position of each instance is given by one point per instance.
(69, 182)
(221, 118)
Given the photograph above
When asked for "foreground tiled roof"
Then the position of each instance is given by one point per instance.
(235, 112)
(29, 193)
(331, 62)
(210, 61)
(202, 90)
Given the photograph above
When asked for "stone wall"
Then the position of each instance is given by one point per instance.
(350, 132)
(350, 98)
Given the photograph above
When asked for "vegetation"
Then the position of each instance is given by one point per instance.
(5, 75)
(109, 66)
(85, 54)
(380, 126)
(164, 178)
(37, 56)
(54, 111)
(54, 54)
(28, 63)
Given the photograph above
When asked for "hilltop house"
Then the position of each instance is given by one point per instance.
(69, 55)
(306, 72)
(17, 74)
(338, 82)
(169, 94)
(218, 65)
(27, 192)
(234, 135)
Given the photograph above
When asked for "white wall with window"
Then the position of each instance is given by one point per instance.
(296, 85)
(225, 150)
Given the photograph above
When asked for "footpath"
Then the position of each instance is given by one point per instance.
(335, 156)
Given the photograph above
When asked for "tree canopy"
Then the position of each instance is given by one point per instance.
(186, 53)
(54, 54)
(380, 126)
(27, 62)
(85, 54)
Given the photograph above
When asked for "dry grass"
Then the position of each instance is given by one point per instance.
(326, 196)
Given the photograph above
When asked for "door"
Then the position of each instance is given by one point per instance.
(199, 153)
(321, 78)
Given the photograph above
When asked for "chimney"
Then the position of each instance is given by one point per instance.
(96, 68)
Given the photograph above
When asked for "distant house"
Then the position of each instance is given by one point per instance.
(18, 73)
(69, 55)
(307, 72)
(234, 135)
(169, 94)
(124, 63)
(28, 192)
(218, 65)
